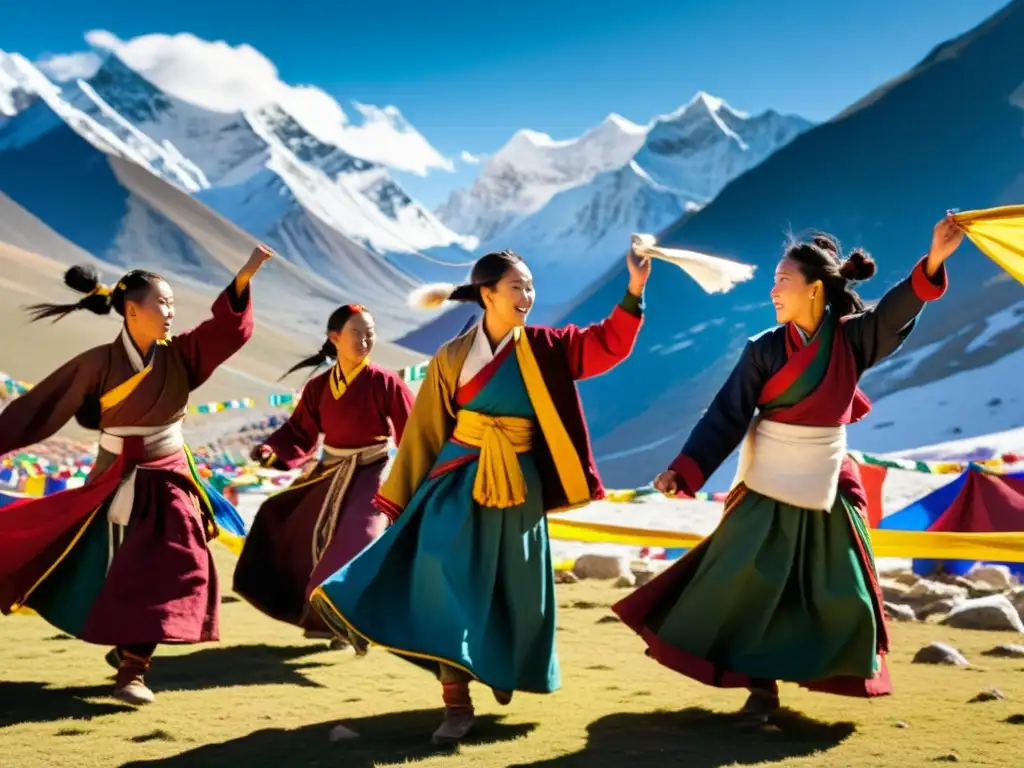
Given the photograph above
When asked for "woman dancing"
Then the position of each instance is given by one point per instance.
(461, 583)
(123, 560)
(786, 588)
(305, 533)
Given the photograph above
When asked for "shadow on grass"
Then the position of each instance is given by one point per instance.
(697, 738)
(390, 739)
(33, 702)
(228, 666)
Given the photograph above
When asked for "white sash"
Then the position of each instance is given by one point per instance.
(792, 463)
(159, 441)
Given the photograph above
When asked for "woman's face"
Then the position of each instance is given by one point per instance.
(152, 315)
(792, 295)
(511, 299)
(355, 339)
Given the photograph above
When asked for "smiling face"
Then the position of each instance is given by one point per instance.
(152, 314)
(792, 296)
(354, 341)
(509, 302)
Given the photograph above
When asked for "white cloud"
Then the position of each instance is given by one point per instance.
(469, 158)
(63, 67)
(226, 78)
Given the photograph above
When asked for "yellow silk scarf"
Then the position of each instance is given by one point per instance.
(999, 234)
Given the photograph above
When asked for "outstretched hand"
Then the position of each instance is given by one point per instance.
(639, 272)
(946, 238)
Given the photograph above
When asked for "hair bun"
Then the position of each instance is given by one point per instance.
(82, 278)
(857, 266)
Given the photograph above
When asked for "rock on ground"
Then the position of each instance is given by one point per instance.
(995, 612)
(940, 653)
(593, 566)
(898, 612)
(1006, 651)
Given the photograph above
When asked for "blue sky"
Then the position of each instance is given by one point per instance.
(469, 74)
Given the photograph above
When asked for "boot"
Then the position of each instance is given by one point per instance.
(113, 658)
(337, 644)
(762, 701)
(502, 697)
(458, 714)
(130, 685)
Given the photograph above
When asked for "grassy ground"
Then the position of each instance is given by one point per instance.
(266, 697)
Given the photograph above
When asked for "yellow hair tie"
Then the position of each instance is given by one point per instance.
(99, 290)
(122, 286)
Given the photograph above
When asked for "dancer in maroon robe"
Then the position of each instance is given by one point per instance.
(305, 533)
(123, 560)
(786, 588)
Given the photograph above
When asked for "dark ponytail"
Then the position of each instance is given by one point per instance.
(821, 258)
(335, 322)
(99, 299)
(486, 273)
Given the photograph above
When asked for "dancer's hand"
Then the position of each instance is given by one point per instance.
(946, 238)
(639, 272)
(260, 453)
(667, 482)
(259, 255)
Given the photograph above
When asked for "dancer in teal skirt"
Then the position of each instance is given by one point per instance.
(462, 584)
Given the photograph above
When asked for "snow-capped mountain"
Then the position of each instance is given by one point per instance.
(871, 177)
(531, 168)
(340, 216)
(687, 157)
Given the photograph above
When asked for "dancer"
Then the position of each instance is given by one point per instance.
(786, 588)
(305, 533)
(123, 560)
(462, 583)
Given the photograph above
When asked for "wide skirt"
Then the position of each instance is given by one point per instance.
(276, 570)
(451, 582)
(153, 581)
(774, 593)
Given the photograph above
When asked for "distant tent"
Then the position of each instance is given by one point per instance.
(976, 502)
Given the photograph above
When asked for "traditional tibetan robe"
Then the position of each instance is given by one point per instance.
(123, 560)
(785, 588)
(462, 580)
(303, 534)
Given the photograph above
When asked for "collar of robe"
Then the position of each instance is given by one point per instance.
(339, 382)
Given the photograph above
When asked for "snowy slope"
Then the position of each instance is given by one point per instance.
(531, 168)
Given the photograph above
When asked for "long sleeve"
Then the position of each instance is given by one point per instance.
(880, 331)
(601, 346)
(213, 341)
(41, 411)
(294, 442)
(724, 424)
(400, 402)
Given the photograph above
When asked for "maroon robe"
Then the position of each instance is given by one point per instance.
(276, 570)
(161, 583)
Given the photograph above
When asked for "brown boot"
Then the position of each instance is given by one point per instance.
(502, 697)
(458, 714)
(130, 685)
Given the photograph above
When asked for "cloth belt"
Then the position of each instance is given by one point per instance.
(792, 463)
(158, 441)
(499, 479)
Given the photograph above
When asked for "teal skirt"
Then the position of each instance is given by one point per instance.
(454, 583)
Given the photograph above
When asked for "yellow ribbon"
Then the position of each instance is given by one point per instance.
(928, 545)
(499, 479)
(999, 234)
(99, 290)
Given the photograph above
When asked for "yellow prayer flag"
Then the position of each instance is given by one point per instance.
(999, 234)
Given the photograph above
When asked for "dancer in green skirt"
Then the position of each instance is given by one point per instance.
(786, 588)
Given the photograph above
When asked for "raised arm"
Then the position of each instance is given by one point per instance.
(41, 411)
(879, 332)
(294, 442)
(722, 426)
(601, 346)
(229, 327)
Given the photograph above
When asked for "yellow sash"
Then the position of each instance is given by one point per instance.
(499, 479)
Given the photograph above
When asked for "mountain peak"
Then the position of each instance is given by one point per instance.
(617, 122)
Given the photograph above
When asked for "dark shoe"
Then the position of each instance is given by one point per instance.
(455, 727)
